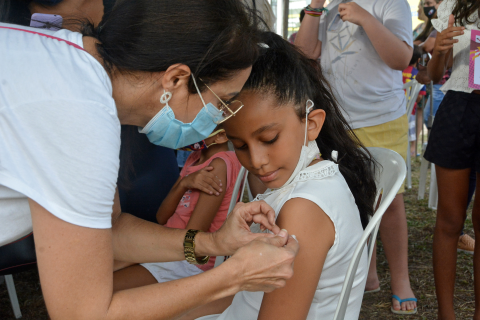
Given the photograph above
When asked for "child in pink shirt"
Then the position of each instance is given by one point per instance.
(199, 200)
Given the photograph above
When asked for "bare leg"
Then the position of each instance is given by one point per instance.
(372, 278)
(452, 203)
(394, 235)
(132, 277)
(476, 254)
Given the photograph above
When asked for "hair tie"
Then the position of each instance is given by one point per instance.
(335, 155)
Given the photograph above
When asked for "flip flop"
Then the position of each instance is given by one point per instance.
(407, 312)
(372, 291)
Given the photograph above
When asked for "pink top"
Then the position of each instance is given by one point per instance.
(189, 200)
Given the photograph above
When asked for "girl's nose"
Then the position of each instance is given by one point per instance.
(258, 158)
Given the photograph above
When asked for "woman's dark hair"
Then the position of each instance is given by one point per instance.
(15, 11)
(463, 10)
(426, 32)
(215, 38)
(283, 71)
(302, 15)
(417, 54)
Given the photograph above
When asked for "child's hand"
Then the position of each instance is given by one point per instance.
(203, 180)
(353, 13)
(444, 40)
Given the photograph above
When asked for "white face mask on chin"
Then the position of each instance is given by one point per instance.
(309, 150)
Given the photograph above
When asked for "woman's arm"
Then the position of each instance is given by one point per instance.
(316, 234)
(207, 205)
(394, 52)
(76, 272)
(203, 180)
(307, 36)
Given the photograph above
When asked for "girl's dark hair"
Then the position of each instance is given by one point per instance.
(283, 71)
(463, 10)
(215, 38)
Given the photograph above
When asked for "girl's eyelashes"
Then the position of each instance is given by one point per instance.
(244, 146)
(273, 140)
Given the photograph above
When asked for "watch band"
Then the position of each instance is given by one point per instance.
(189, 248)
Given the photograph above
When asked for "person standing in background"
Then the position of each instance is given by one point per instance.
(422, 17)
(363, 47)
(453, 145)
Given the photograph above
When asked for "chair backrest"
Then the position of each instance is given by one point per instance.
(237, 196)
(412, 89)
(389, 177)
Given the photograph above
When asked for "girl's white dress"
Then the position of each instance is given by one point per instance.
(323, 184)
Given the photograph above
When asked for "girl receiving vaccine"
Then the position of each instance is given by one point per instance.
(292, 136)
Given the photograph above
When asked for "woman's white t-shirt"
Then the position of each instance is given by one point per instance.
(324, 185)
(59, 131)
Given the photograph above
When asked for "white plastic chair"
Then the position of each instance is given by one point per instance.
(412, 89)
(237, 196)
(389, 177)
(433, 193)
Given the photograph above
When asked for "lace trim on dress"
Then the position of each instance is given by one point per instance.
(321, 173)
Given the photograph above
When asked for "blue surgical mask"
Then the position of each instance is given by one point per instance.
(166, 131)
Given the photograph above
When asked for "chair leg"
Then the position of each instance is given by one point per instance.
(12, 293)
(433, 195)
(409, 168)
(423, 176)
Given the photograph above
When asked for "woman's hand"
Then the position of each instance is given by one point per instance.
(235, 232)
(264, 264)
(203, 180)
(444, 40)
(353, 13)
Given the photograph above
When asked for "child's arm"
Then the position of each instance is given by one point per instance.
(203, 180)
(307, 36)
(442, 55)
(316, 234)
(207, 205)
(394, 52)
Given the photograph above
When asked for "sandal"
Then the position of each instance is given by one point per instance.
(372, 291)
(406, 312)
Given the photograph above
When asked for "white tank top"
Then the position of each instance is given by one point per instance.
(324, 185)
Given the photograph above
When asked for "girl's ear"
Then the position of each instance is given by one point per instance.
(316, 118)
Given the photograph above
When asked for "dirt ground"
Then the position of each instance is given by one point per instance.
(421, 222)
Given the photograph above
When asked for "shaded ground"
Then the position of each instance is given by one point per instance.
(421, 222)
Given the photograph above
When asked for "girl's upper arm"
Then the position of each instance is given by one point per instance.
(316, 235)
(207, 205)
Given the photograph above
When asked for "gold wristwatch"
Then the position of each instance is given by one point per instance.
(189, 248)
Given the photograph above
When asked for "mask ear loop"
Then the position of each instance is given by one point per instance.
(308, 109)
(198, 90)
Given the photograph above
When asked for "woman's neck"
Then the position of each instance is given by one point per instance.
(211, 151)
